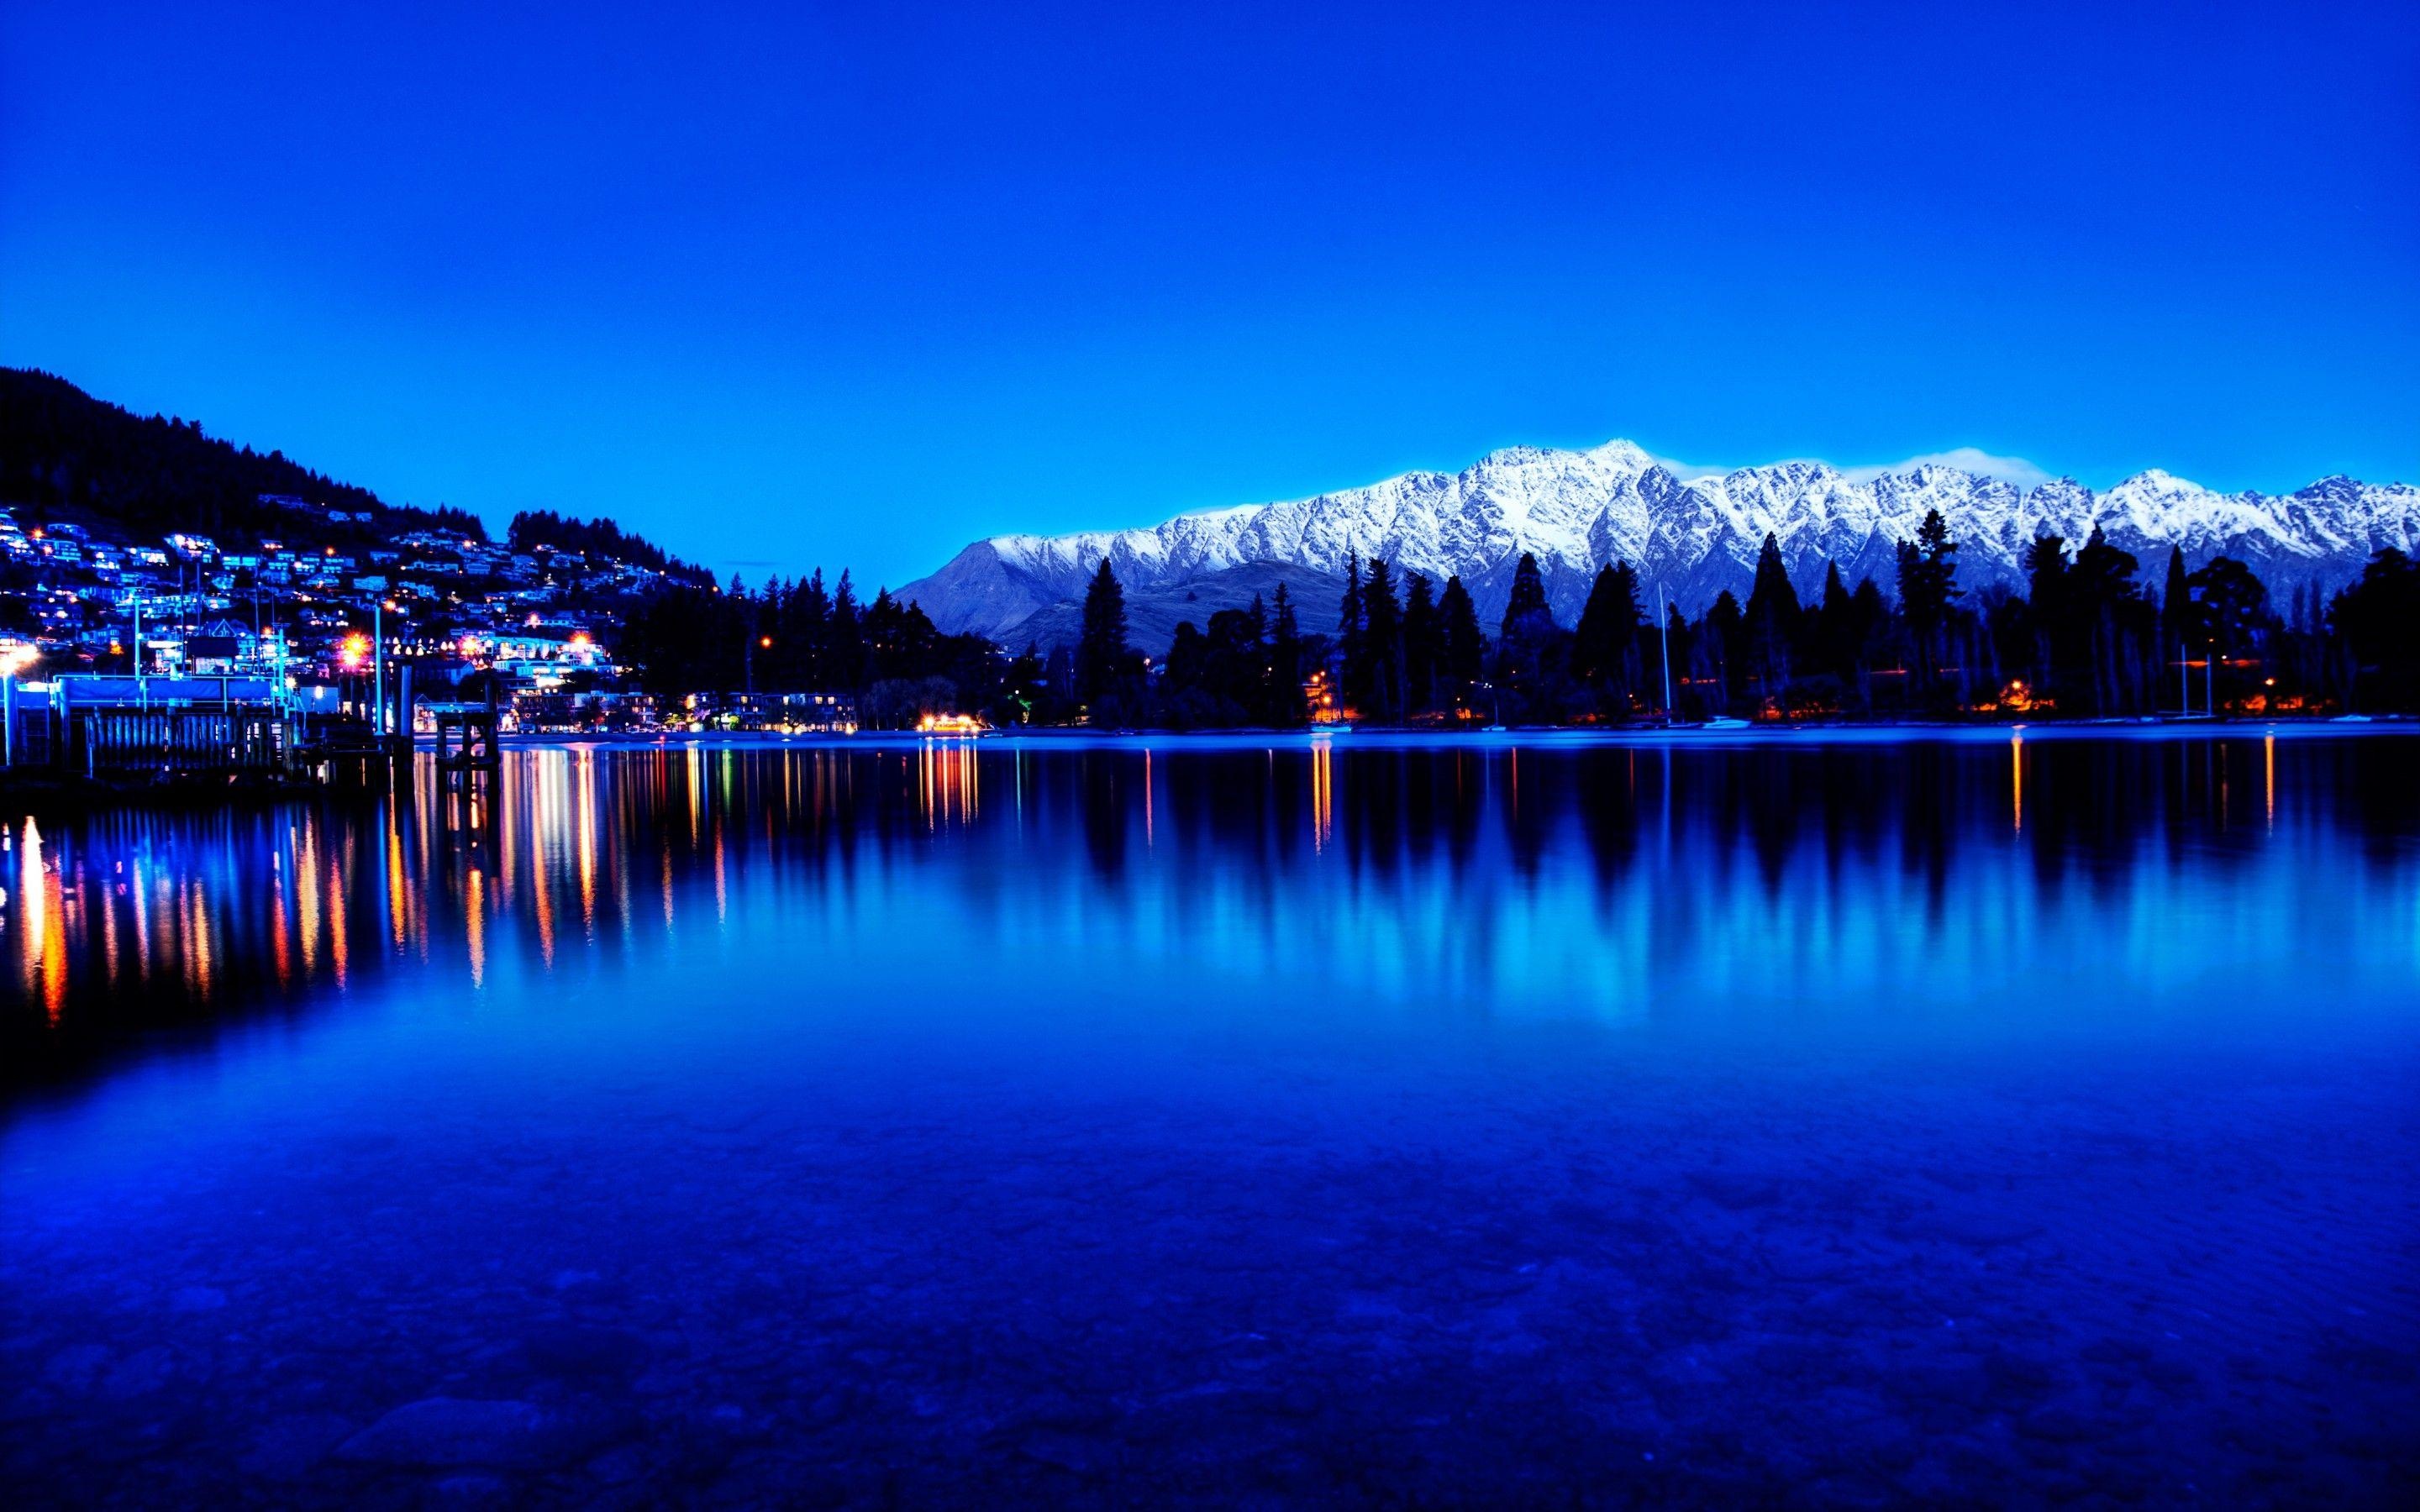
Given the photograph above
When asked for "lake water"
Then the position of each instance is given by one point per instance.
(1558, 1122)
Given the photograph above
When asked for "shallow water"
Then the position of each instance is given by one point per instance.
(1555, 1122)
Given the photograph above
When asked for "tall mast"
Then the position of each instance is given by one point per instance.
(1664, 645)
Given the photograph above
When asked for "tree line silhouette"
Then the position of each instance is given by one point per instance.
(533, 529)
(2084, 637)
(67, 456)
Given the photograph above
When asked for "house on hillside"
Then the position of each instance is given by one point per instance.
(222, 648)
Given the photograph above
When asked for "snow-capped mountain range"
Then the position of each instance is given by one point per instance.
(1693, 533)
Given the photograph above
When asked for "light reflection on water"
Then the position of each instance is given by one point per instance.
(1902, 1116)
(1596, 880)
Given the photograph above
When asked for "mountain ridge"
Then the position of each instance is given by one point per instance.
(1579, 509)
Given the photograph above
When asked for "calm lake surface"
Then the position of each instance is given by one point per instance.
(1555, 1122)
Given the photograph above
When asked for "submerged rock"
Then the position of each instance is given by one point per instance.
(141, 1374)
(1078, 1454)
(444, 1432)
(290, 1446)
(571, 1350)
(77, 1367)
(471, 1490)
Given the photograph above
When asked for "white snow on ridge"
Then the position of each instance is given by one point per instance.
(1694, 532)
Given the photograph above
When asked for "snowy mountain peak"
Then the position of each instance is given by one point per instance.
(2155, 481)
(1694, 532)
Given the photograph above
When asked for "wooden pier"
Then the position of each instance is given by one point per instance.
(346, 751)
(141, 729)
(201, 739)
(129, 733)
(128, 727)
(468, 752)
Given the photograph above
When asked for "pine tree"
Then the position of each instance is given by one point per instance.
(1771, 617)
(1381, 697)
(1928, 595)
(1423, 645)
(1349, 621)
(806, 627)
(2378, 619)
(1528, 624)
(847, 640)
(1928, 583)
(1608, 626)
(1465, 649)
(1284, 701)
(1527, 601)
(1187, 672)
(1721, 644)
(2045, 562)
(2234, 605)
(1832, 645)
(1101, 650)
(2105, 604)
(2176, 595)
(2181, 618)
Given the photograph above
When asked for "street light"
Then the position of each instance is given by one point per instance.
(378, 667)
(12, 661)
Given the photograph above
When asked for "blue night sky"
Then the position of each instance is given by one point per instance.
(834, 285)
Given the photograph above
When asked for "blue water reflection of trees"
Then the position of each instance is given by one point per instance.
(149, 921)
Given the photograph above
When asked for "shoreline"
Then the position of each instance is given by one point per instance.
(42, 793)
(1536, 735)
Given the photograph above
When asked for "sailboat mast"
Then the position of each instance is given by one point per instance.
(1663, 644)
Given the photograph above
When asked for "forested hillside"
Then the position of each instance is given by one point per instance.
(532, 529)
(65, 455)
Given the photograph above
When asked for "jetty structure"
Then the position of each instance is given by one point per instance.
(133, 731)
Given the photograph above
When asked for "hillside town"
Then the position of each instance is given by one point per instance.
(532, 623)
